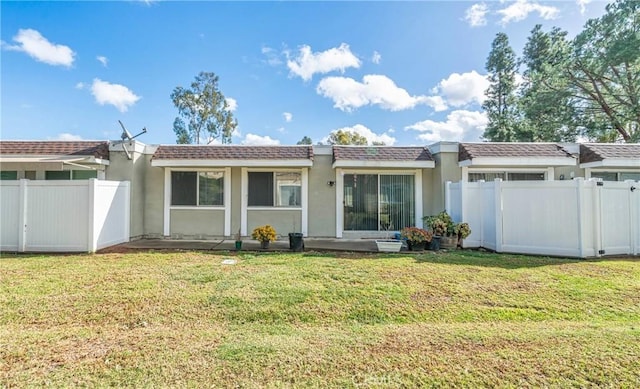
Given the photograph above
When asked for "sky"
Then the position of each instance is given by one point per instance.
(402, 73)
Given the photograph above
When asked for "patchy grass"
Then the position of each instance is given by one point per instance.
(289, 320)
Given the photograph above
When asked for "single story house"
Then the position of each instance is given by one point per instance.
(213, 191)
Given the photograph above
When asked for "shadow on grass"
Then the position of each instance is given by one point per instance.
(489, 259)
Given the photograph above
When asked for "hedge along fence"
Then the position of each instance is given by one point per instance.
(574, 218)
(65, 216)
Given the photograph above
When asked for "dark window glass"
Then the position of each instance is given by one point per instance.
(183, 188)
(84, 174)
(526, 176)
(8, 175)
(57, 175)
(475, 177)
(260, 189)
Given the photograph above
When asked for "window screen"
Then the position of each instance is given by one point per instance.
(84, 174)
(475, 177)
(630, 176)
(260, 189)
(525, 176)
(605, 176)
(183, 188)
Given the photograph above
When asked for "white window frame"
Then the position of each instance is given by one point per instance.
(226, 207)
(304, 197)
(548, 172)
(588, 171)
(198, 206)
(417, 182)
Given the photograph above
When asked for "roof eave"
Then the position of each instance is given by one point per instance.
(231, 163)
(518, 161)
(385, 164)
(613, 162)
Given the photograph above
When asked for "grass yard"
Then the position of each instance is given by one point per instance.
(318, 320)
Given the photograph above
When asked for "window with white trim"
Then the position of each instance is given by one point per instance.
(616, 176)
(274, 189)
(70, 174)
(197, 188)
(506, 176)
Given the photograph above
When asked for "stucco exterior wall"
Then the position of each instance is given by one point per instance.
(197, 223)
(322, 197)
(284, 221)
(133, 170)
(154, 204)
(236, 200)
(446, 169)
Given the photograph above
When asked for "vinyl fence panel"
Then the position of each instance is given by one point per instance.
(63, 216)
(574, 218)
(10, 220)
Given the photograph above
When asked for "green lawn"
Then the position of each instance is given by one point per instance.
(321, 320)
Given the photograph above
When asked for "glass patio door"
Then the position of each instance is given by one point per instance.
(375, 202)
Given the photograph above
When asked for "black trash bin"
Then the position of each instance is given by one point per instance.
(296, 243)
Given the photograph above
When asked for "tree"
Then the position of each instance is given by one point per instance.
(305, 141)
(203, 111)
(545, 102)
(345, 137)
(501, 104)
(604, 71)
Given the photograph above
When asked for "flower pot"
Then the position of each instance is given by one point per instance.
(435, 243)
(264, 244)
(389, 245)
(296, 241)
(238, 245)
(449, 242)
(416, 246)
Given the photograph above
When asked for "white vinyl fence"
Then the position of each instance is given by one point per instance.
(574, 218)
(63, 216)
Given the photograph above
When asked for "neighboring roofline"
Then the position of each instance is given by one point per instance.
(231, 162)
(518, 161)
(613, 162)
(383, 164)
(31, 158)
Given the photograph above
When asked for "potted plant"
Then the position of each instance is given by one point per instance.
(462, 231)
(265, 234)
(238, 240)
(417, 238)
(388, 245)
(442, 226)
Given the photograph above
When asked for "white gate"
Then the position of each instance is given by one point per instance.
(620, 218)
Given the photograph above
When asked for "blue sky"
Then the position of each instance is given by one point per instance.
(405, 73)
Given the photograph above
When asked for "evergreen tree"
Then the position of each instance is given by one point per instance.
(501, 103)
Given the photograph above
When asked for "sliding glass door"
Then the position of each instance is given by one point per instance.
(378, 202)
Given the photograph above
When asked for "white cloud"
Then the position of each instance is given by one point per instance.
(38, 47)
(273, 57)
(280, 130)
(476, 15)
(307, 63)
(376, 57)
(288, 117)
(68, 137)
(367, 133)
(522, 8)
(103, 60)
(461, 89)
(349, 94)
(583, 5)
(232, 104)
(257, 140)
(115, 94)
(80, 85)
(460, 125)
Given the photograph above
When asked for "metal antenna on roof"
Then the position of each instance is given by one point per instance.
(126, 135)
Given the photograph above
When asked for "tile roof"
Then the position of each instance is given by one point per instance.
(594, 152)
(467, 151)
(381, 153)
(98, 149)
(230, 152)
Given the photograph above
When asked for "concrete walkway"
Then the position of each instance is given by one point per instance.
(311, 244)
